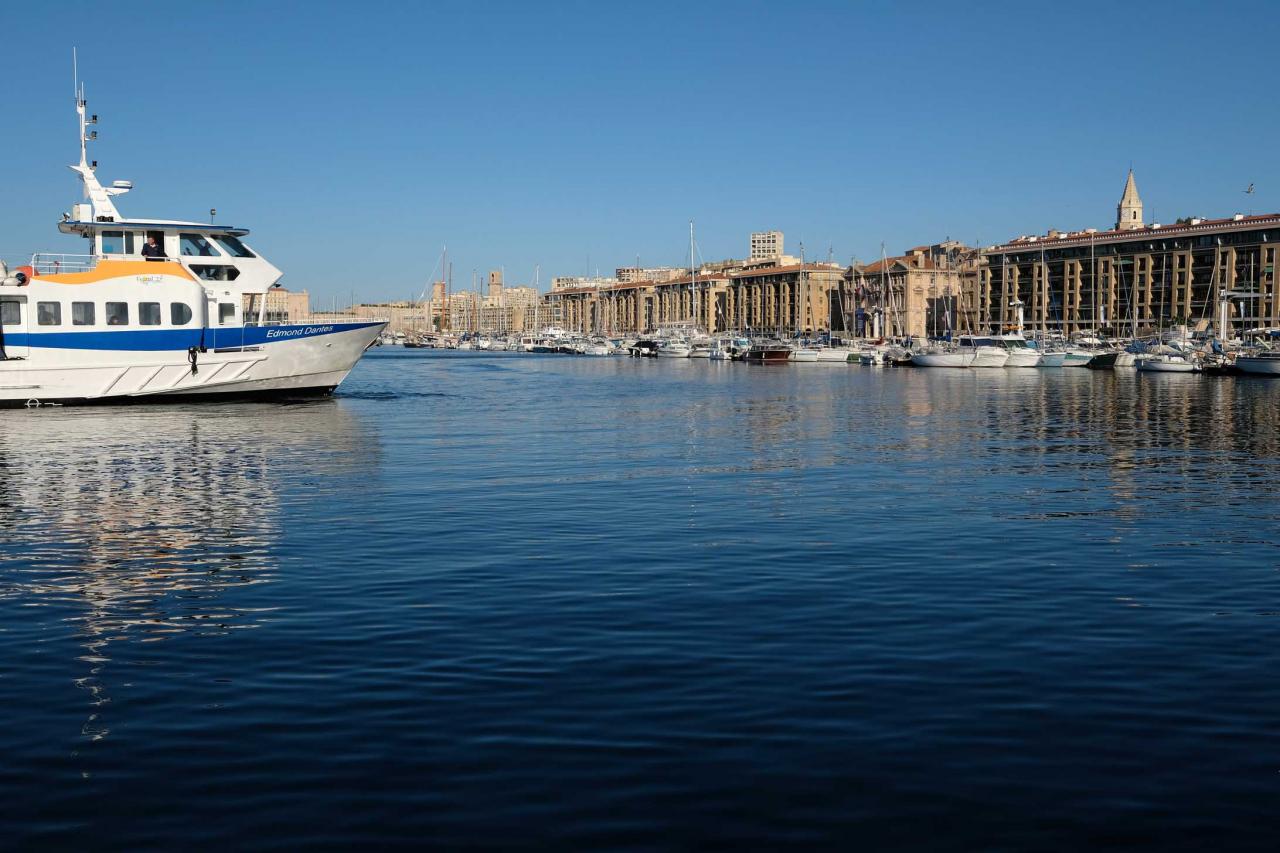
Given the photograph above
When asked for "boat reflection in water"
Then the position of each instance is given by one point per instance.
(137, 525)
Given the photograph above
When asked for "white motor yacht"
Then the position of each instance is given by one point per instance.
(729, 348)
(1020, 355)
(968, 351)
(837, 355)
(673, 349)
(804, 354)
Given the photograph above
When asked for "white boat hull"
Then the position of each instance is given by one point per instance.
(806, 355)
(1024, 357)
(274, 359)
(971, 358)
(1164, 364)
(1053, 359)
(836, 356)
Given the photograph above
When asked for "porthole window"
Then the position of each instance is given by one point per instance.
(179, 313)
(117, 313)
(82, 314)
(149, 313)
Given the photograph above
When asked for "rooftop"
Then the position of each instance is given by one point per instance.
(1195, 226)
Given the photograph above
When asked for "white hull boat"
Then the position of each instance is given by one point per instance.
(1024, 357)
(1166, 364)
(673, 349)
(161, 310)
(941, 359)
(836, 355)
(1020, 355)
(968, 357)
(805, 355)
(1077, 358)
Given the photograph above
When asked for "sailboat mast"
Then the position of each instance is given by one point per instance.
(693, 275)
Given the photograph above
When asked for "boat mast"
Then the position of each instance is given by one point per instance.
(795, 297)
(882, 325)
(693, 276)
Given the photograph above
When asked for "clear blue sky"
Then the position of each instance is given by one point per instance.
(356, 139)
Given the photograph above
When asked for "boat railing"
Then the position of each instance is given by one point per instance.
(52, 263)
(272, 319)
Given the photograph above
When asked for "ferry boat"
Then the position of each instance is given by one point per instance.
(158, 310)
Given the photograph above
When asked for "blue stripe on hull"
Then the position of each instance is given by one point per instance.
(168, 340)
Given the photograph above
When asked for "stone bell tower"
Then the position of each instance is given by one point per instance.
(1129, 210)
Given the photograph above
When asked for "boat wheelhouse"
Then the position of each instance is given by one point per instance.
(157, 309)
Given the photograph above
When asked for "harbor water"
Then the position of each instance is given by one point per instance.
(511, 601)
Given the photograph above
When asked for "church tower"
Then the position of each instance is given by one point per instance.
(1129, 210)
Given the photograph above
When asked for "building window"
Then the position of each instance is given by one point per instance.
(179, 314)
(49, 313)
(149, 313)
(82, 314)
(117, 313)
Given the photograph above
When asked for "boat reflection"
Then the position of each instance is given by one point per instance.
(137, 525)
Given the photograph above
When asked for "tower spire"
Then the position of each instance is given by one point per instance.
(1129, 210)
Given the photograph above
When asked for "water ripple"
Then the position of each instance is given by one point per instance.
(493, 600)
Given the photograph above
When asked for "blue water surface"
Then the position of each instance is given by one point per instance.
(508, 601)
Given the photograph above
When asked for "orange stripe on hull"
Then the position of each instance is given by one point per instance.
(118, 269)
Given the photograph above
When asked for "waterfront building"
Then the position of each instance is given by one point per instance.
(925, 292)
(1135, 276)
(783, 300)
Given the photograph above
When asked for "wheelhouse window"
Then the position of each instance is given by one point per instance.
(215, 272)
(82, 314)
(149, 313)
(196, 245)
(49, 313)
(117, 313)
(226, 313)
(113, 242)
(233, 246)
(10, 314)
(179, 313)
